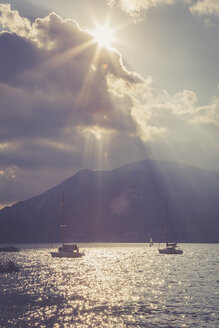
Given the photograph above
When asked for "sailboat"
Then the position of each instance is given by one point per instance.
(171, 248)
(66, 250)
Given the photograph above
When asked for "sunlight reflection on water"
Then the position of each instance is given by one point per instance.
(126, 286)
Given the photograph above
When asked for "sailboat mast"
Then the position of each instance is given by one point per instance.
(166, 225)
(63, 220)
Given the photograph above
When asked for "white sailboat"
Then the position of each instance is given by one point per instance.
(171, 248)
(66, 250)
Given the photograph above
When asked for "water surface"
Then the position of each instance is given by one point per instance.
(113, 285)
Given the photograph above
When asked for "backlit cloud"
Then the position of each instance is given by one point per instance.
(10, 19)
(49, 75)
(56, 107)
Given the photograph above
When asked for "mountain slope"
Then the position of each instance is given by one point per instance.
(125, 204)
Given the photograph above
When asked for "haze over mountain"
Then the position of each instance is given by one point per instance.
(126, 204)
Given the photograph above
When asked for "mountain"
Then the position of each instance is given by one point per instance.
(126, 204)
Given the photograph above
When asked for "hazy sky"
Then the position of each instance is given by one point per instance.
(70, 99)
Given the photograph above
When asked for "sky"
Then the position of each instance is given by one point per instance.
(101, 83)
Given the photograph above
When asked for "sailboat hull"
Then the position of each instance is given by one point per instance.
(170, 251)
(67, 254)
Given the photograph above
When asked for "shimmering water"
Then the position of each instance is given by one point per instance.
(112, 286)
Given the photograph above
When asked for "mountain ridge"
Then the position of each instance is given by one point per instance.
(122, 205)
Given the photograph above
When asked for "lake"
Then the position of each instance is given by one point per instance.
(113, 285)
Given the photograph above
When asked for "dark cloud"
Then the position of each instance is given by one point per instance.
(16, 56)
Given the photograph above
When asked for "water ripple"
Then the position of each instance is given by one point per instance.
(126, 286)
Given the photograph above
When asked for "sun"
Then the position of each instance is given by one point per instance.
(103, 35)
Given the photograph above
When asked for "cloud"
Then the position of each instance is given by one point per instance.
(48, 76)
(13, 21)
(67, 104)
(157, 112)
(208, 114)
(134, 8)
(205, 7)
(56, 109)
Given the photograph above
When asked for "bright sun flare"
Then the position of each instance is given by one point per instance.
(103, 36)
